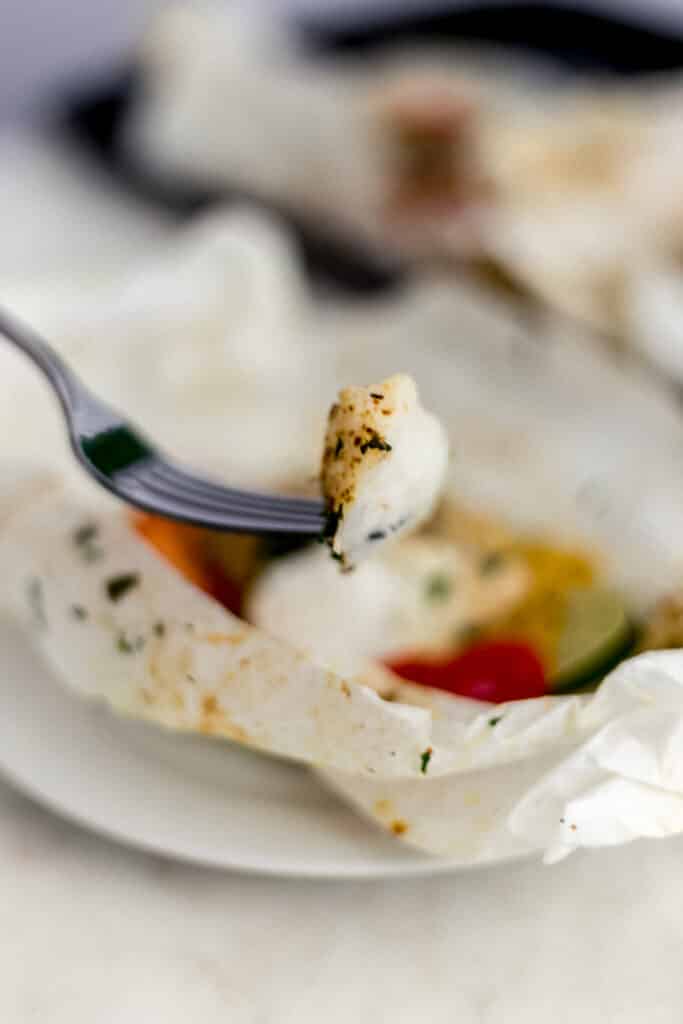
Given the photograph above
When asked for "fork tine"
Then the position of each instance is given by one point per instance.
(226, 519)
(222, 499)
(187, 484)
(160, 497)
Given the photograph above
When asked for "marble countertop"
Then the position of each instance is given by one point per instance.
(96, 932)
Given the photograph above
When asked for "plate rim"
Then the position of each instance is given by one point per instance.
(420, 868)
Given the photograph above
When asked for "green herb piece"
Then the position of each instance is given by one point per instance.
(375, 442)
(495, 720)
(123, 644)
(84, 538)
(127, 646)
(85, 534)
(36, 601)
(399, 524)
(492, 562)
(377, 535)
(118, 586)
(425, 758)
(79, 612)
(439, 587)
(159, 629)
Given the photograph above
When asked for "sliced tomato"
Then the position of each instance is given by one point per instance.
(496, 671)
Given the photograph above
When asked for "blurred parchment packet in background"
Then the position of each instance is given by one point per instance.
(570, 190)
(61, 215)
(383, 152)
(80, 41)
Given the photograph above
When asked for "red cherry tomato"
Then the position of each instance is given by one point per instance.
(497, 671)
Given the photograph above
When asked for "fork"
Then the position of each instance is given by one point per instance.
(124, 461)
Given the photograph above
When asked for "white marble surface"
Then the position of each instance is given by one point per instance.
(92, 932)
(95, 932)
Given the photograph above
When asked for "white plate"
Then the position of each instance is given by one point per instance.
(552, 403)
(187, 797)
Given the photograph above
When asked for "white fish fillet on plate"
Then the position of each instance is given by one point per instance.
(384, 463)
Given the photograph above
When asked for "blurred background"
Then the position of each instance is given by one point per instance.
(47, 46)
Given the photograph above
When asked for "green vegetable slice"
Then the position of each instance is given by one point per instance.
(596, 636)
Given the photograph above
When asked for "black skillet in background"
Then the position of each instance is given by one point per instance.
(579, 41)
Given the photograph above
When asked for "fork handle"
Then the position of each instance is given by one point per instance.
(43, 355)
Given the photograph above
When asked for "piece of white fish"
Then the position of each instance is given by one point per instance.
(384, 463)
